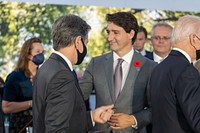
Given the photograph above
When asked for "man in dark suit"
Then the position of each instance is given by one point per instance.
(131, 108)
(160, 39)
(140, 41)
(175, 83)
(58, 104)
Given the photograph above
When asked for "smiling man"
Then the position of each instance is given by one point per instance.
(120, 78)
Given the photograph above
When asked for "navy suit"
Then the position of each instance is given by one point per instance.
(175, 96)
(149, 55)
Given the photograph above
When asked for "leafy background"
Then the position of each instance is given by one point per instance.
(20, 21)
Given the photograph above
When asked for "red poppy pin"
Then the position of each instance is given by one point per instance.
(137, 64)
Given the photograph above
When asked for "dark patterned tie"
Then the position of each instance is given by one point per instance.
(74, 73)
(118, 77)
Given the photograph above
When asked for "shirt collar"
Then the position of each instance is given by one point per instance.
(157, 58)
(184, 53)
(143, 52)
(127, 58)
(65, 58)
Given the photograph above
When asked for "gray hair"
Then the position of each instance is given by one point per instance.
(184, 27)
(66, 29)
(160, 25)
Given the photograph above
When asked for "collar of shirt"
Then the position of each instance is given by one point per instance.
(157, 58)
(127, 58)
(184, 53)
(125, 65)
(65, 58)
(143, 52)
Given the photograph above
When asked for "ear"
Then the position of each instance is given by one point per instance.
(192, 39)
(131, 34)
(30, 57)
(78, 42)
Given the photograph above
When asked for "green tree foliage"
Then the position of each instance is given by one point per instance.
(20, 21)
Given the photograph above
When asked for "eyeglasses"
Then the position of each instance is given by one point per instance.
(158, 38)
(197, 37)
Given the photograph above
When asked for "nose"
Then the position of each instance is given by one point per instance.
(161, 40)
(110, 37)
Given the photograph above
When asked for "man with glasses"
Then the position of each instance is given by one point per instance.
(160, 39)
(175, 83)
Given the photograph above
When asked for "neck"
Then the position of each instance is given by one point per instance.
(70, 53)
(124, 51)
(163, 55)
(189, 49)
(32, 68)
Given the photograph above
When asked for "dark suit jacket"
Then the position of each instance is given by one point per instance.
(149, 55)
(58, 104)
(175, 96)
(132, 98)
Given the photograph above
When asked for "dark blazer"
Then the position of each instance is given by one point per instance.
(149, 55)
(175, 96)
(58, 104)
(132, 98)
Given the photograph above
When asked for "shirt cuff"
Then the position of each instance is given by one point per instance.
(93, 123)
(135, 125)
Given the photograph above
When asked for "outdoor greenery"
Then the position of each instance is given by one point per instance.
(20, 21)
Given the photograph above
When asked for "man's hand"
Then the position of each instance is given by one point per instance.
(102, 114)
(121, 121)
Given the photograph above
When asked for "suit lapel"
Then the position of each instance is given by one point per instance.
(60, 59)
(132, 74)
(108, 66)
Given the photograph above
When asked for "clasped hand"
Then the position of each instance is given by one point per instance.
(102, 114)
(121, 121)
(116, 121)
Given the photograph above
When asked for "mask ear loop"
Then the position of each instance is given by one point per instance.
(76, 46)
(83, 44)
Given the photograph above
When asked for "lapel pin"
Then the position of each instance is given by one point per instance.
(137, 64)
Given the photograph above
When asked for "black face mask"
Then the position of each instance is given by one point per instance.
(197, 54)
(80, 56)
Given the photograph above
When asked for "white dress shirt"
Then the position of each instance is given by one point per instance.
(125, 68)
(65, 58)
(157, 58)
(143, 52)
(125, 65)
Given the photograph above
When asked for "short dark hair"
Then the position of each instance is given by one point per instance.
(66, 29)
(142, 29)
(126, 20)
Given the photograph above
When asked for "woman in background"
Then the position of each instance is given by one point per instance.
(2, 83)
(17, 98)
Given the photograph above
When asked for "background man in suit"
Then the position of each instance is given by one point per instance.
(130, 104)
(58, 104)
(175, 83)
(160, 39)
(140, 41)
